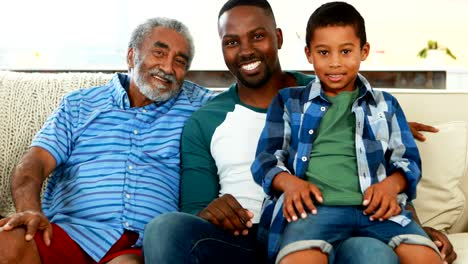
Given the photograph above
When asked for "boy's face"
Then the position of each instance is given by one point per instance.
(336, 54)
(250, 43)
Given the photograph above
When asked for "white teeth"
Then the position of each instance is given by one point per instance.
(251, 66)
(161, 79)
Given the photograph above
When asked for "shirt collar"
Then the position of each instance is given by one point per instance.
(365, 89)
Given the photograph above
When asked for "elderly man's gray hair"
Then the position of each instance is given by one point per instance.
(142, 30)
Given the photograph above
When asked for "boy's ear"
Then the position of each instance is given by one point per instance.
(279, 37)
(365, 51)
(308, 54)
(130, 58)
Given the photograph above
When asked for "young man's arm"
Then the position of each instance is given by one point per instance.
(27, 180)
(199, 186)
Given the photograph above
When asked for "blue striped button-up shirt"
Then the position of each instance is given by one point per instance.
(117, 166)
(383, 141)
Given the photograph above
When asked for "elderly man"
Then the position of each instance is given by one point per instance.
(113, 152)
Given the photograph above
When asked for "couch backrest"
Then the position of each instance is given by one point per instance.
(443, 190)
(26, 100)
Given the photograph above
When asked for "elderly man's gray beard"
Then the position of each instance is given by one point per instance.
(155, 94)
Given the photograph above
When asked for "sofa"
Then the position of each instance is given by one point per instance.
(27, 99)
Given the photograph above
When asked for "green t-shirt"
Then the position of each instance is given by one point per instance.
(333, 166)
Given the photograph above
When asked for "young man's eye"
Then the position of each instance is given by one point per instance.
(258, 36)
(230, 43)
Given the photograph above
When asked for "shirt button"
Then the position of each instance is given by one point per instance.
(130, 167)
(323, 108)
(311, 132)
(135, 132)
(128, 196)
(126, 224)
(144, 111)
(304, 158)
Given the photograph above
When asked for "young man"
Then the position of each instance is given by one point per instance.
(338, 154)
(113, 152)
(219, 142)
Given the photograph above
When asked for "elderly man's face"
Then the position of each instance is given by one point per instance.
(160, 64)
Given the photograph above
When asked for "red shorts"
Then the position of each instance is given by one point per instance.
(64, 250)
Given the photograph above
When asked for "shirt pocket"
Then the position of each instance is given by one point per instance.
(379, 126)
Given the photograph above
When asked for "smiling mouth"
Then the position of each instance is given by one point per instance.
(335, 77)
(157, 77)
(251, 66)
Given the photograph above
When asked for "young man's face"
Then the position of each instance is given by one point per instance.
(250, 43)
(336, 54)
(160, 64)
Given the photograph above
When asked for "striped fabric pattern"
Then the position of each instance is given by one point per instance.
(117, 166)
(384, 143)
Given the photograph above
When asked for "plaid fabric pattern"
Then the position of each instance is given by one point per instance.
(384, 144)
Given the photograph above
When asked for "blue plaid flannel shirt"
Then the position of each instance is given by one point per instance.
(384, 143)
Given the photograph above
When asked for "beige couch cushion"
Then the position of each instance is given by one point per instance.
(26, 100)
(440, 200)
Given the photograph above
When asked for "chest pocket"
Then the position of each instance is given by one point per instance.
(379, 126)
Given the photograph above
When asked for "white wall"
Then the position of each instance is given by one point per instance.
(94, 34)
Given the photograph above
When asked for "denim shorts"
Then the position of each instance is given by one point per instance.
(334, 224)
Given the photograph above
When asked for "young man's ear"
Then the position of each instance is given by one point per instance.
(130, 58)
(308, 54)
(279, 37)
(365, 51)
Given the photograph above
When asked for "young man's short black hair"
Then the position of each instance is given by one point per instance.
(263, 4)
(336, 14)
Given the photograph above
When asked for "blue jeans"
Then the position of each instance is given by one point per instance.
(334, 224)
(183, 238)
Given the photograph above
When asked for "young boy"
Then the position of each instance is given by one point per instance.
(339, 150)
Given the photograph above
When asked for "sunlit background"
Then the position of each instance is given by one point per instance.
(93, 34)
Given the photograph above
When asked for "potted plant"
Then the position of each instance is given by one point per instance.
(434, 47)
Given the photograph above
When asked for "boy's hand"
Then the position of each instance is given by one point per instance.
(298, 193)
(381, 201)
(227, 213)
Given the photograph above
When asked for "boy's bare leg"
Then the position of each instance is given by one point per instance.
(305, 256)
(409, 253)
(127, 259)
(15, 249)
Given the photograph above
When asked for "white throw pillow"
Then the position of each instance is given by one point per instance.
(440, 200)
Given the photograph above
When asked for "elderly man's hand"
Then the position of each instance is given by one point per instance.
(443, 243)
(32, 221)
(227, 213)
(417, 127)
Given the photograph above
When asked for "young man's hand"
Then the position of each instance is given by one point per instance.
(32, 221)
(297, 193)
(227, 213)
(416, 127)
(443, 243)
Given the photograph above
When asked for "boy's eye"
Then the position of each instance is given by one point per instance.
(323, 52)
(346, 51)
